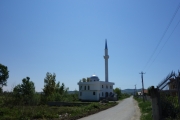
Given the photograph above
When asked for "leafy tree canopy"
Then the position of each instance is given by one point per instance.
(88, 79)
(84, 80)
(118, 92)
(26, 90)
(50, 85)
(4, 75)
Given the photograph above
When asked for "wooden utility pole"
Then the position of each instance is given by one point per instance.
(142, 84)
(135, 90)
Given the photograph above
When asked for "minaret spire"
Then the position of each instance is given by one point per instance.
(106, 57)
(106, 45)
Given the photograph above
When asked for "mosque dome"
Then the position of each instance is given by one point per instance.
(94, 78)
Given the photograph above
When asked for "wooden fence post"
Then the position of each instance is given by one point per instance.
(155, 103)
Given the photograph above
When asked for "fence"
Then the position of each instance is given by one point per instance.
(166, 98)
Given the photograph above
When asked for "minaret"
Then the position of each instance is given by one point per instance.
(106, 57)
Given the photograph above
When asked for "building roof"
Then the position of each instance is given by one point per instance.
(94, 78)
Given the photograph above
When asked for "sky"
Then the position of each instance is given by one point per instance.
(68, 38)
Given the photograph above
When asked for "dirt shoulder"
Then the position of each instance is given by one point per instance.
(137, 113)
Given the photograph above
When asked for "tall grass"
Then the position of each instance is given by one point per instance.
(14, 108)
(53, 112)
(146, 109)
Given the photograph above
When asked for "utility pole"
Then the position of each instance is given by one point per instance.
(142, 84)
(135, 90)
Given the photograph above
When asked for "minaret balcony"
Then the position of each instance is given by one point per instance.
(106, 57)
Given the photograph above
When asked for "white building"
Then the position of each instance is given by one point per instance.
(95, 89)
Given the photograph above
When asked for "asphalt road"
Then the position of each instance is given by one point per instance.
(126, 110)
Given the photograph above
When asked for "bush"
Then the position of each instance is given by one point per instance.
(170, 106)
(1, 90)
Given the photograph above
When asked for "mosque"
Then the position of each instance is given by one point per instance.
(95, 90)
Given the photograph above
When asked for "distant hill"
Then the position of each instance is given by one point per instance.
(130, 91)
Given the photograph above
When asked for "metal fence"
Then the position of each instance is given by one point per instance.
(166, 98)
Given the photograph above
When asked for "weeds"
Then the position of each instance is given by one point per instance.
(146, 109)
(14, 108)
(47, 112)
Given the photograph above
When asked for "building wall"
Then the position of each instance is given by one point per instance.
(101, 89)
(88, 95)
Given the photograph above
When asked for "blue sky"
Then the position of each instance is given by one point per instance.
(68, 38)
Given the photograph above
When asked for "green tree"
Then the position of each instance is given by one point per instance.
(61, 89)
(88, 79)
(4, 75)
(84, 80)
(118, 92)
(25, 91)
(50, 84)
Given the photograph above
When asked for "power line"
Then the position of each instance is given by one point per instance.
(162, 36)
(165, 43)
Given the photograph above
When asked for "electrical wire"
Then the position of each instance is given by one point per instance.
(162, 37)
(164, 43)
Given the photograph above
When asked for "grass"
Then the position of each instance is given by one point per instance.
(146, 109)
(124, 96)
(53, 112)
(15, 109)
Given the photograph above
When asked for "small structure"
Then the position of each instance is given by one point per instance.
(139, 93)
(94, 89)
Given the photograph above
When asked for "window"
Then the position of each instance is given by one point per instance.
(80, 87)
(80, 93)
(94, 93)
(88, 87)
(102, 94)
(106, 94)
(84, 87)
(102, 86)
(106, 86)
